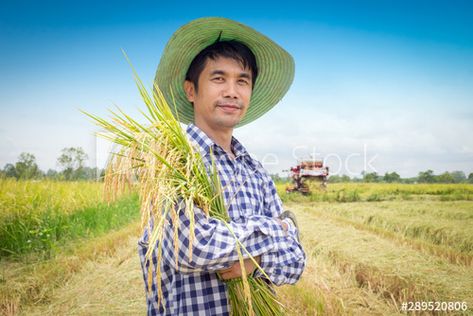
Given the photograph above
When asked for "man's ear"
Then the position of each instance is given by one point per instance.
(190, 90)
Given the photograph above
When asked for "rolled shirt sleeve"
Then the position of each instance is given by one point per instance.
(286, 262)
(214, 246)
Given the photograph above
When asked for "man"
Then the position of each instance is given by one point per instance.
(222, 74)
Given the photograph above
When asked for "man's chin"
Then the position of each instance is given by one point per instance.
(226, 123)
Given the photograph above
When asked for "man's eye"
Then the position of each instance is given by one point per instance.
(243, 81)
(218, 79)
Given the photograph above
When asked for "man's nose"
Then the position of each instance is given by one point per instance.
(230, 90)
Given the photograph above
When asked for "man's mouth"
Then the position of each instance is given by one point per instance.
(228, 107)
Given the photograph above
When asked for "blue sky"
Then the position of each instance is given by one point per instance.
(380, 85)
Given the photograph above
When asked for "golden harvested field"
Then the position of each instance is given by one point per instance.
(365, 256)
(363, 267)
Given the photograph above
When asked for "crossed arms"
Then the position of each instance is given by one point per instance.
(272, 242)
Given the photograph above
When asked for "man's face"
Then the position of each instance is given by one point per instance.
(223, 96)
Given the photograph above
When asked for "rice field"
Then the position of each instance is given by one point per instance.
(38, 216)
(365, 256)
(368, 257)
(43, 223)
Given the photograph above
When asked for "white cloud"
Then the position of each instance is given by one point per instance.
(392, 139)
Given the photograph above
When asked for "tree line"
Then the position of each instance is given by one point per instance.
(72, 168)
(427, 176)
(71, 164)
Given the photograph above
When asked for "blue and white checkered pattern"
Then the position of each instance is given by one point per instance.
(193, 288)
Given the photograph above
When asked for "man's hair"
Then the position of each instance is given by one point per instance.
(228, 49)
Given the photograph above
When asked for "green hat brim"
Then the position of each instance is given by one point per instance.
(275, 65)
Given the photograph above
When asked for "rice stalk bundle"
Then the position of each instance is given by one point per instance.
(170, 171)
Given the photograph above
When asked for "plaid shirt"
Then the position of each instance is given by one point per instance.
(253, 204)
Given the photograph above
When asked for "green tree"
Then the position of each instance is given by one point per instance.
(9, 171)
(337, 178)
(445, 177)
(26, 167)
(51, 174)
(470, 178)
(392, 177)
(370, 177)
(94, 173)
(458, 176)
(409, 180)
(72, 162)
(426, 176)
(345, 178)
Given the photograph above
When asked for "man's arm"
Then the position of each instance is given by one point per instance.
(285, 263)
(214, 246)
(283, 266)
(235, 270)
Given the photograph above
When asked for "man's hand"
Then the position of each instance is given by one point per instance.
(283, 224)
(235, 270)
(292, 217)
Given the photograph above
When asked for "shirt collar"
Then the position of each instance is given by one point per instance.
(204, 143)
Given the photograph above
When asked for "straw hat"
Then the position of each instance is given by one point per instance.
(275, 65)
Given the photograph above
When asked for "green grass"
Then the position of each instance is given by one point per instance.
(37, 220)
(375, 192)
(50, 230)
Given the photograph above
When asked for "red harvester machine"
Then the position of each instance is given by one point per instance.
(305, 172)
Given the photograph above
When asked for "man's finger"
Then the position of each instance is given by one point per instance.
(227, 269)
(228, 276)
